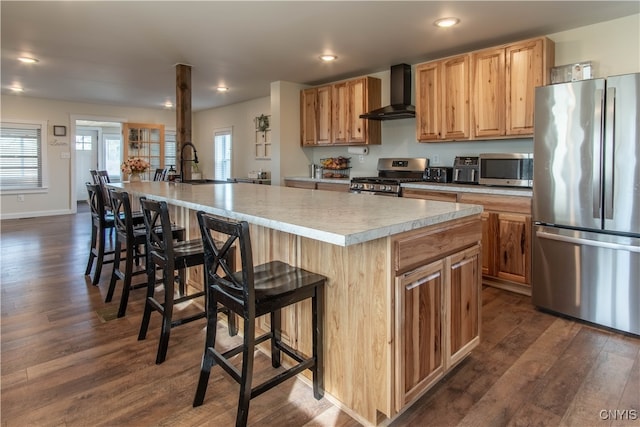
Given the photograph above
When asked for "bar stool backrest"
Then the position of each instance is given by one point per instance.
(96, 203)
(160, 174)
(123, 215)
(103, 180)
(158, 223)
(236, 289)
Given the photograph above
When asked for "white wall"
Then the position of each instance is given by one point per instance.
(57, 199)
(240, 117)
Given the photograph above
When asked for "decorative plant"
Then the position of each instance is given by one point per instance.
(262, 123)
(134, 165)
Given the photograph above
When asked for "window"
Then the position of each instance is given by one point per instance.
(22, 155)
(83, 142)
(170, 148)
(113, 154)
(222, 154)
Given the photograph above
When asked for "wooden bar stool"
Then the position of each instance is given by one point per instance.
(170, 256)
(253, 292)
(101, 221)
(131, 237)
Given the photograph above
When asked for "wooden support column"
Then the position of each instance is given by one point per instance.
(183, 117)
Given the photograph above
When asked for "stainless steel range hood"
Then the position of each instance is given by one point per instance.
(400, 107)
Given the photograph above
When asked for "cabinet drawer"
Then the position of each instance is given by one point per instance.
(491, 202)
(429, 195)
(310, 185)
(413, 249)
(333, 187)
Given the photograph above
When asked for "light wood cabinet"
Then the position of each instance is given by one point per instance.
(438, 306)
(315, 114)
(464, 305)
(419, 329)
(315, 185)
(503, 83)
(506, 235)
(528, 66)
(145, 141)
(442, 99)
(488, 102)
(330, 115)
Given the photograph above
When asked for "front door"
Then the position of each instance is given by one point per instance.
(86, 159)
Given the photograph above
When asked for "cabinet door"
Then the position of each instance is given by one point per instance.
(309, 185)
(455, 96)
(489, 230)
(308, 125)
(357, 127)
(428, 114)
(524, 73)
(464, 304)
(340, 113)
(329, 186)
(514, 247)
(419, 352)
(323, 115)
(488, 93)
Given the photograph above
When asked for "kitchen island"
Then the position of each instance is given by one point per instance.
(402, 301)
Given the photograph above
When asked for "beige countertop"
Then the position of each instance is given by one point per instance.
(334, 217)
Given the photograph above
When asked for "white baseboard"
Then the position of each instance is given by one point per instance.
(20, 215)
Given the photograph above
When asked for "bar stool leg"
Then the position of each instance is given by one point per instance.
(116, 269)
(167, 314)
(151, 286)
(276, 337)
(92, 255)
(207, 358)
(126, 282)
(317, 308)
(247, 372)
(101, 238)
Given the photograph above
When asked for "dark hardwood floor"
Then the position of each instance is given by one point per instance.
(64, 362)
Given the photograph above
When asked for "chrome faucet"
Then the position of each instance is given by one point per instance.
(182, 160)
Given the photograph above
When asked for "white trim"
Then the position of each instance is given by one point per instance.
(23, 215)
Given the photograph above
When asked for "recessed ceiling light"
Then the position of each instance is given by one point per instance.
(328, 58)
(446, 22)
(168, 104)
(222, 89)
(16, 89)
(27, 60)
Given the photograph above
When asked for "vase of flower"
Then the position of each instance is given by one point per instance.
(134, 166)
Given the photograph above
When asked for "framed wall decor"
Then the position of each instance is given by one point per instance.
(59, 130)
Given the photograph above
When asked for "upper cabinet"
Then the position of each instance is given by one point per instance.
(315, 114)
(145, 141)
(486, 94)
(330, 115)
(442, 99)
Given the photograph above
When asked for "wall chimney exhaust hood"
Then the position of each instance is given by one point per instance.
(400, 107)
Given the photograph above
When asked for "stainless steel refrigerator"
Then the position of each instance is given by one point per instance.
(586, 201)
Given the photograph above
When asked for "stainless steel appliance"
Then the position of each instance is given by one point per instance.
(400, 107)
(586, 201)
(391, 173)
(466, 170)
(439, 174)
(506, 169)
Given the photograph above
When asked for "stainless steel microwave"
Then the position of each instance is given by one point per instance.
(506, 169)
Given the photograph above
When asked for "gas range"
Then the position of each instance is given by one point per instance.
(391, 173)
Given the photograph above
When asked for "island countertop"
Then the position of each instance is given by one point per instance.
(341, 219)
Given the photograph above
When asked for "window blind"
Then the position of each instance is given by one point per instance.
(170, 147)
(222, 155)
(20, 156)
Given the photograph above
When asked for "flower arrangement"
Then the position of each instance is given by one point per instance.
(134, 165)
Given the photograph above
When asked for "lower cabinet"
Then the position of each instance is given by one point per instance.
(317, 185)
(437, 317)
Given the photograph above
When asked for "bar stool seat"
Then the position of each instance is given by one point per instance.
(253, 292)
(170, 256)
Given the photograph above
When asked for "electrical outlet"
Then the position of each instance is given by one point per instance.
(21, 197)
(436, 159)
(361, 158)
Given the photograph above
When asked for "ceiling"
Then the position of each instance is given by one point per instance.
(124, 53)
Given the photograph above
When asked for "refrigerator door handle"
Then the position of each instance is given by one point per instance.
(587, 242)
(609, 152)
(596, 181)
